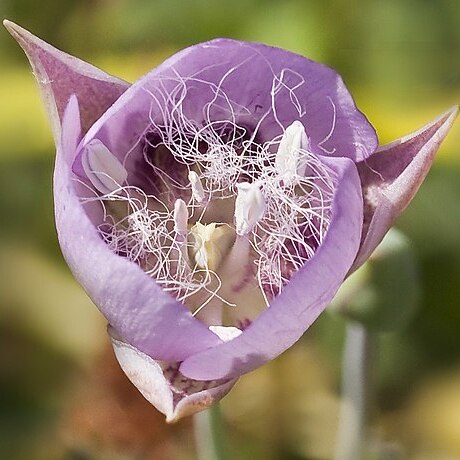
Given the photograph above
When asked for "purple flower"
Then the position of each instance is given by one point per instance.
(212, 209)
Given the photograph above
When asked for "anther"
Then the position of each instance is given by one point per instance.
(180, 217)
(102, 168)
(288, 157)
(197, 186)
(249, 207)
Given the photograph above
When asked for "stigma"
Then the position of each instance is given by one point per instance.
(211, 244)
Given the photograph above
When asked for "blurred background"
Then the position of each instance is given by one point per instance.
(62, 393)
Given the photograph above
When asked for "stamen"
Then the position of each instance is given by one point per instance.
(249, 207)
(281, 192)
(288, 157)
(102, 168)
(197, 186)
(180, 217)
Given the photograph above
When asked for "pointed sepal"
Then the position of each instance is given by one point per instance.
(165, 387)
(391, 177)
(60, 75)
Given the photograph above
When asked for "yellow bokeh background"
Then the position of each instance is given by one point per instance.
(63, 395)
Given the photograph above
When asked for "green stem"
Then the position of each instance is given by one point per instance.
(355, 393)
(210, 435)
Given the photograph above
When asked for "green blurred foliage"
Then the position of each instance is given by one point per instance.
(401, 59)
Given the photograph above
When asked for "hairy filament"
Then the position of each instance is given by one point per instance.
(281, 193)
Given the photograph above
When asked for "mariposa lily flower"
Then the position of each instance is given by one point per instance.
(212, 209)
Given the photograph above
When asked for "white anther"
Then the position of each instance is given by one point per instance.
(197, 186)
(226, 333)
(249, 207)
(288, 157)
(180, 217)
(102, 168)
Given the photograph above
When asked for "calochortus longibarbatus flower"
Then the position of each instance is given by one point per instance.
(212, 209)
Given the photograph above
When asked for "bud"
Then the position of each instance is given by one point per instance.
(382, 294)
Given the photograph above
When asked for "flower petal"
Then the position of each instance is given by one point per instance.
(164, 387)
(301, 301)
(245, 83)
(391, 177)
(138, 309)
(61, 75)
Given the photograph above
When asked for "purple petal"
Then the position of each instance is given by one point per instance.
(229, 80)
(391, 177)
(163, 385)
(302, 299)
(132, 302)
(61, 75)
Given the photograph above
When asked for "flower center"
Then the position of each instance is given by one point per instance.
(217, 219)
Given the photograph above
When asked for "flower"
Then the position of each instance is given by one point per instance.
(212, 209)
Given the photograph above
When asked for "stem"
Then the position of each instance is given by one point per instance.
(210, 435)
(355, 393)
